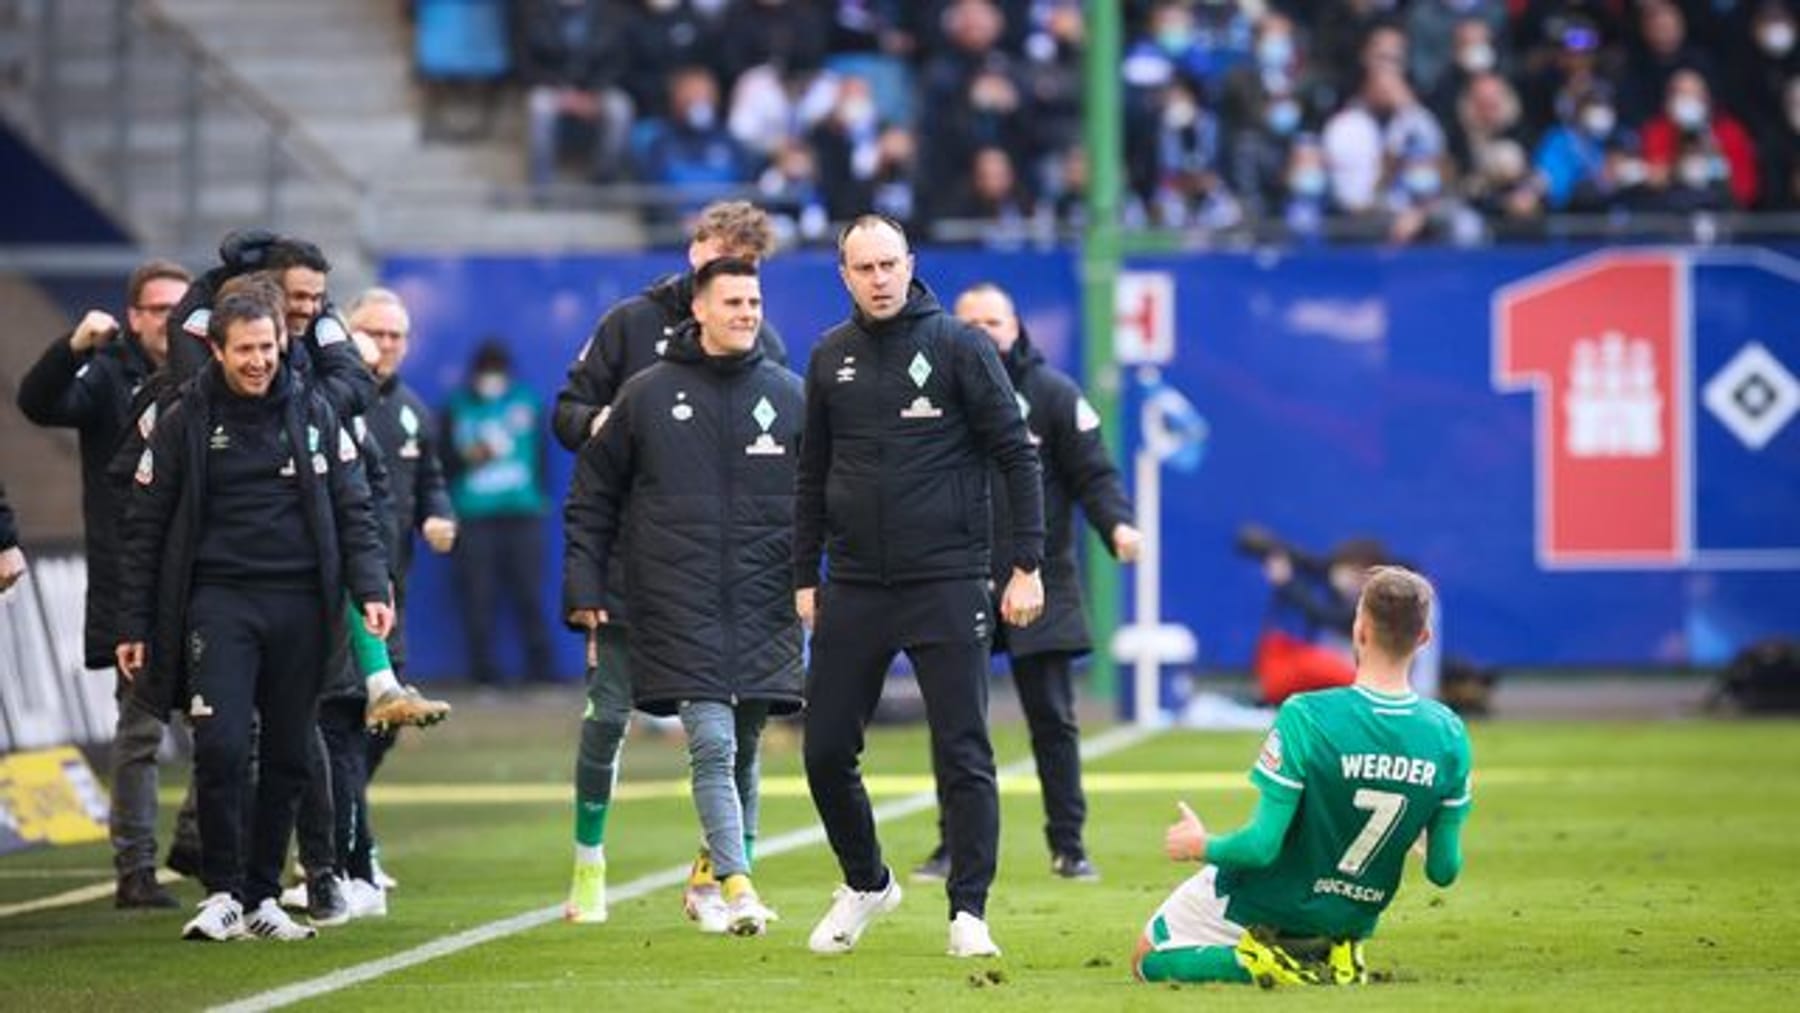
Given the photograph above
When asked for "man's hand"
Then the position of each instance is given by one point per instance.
(378, 618)
(588, 619)
(1023, 601)
(95, 329)
(1278, 568)
(367, 348)
(1185, 840)
(806, 605)
(12, 567)
(130, 656)
(1128, 543)
(440, 534)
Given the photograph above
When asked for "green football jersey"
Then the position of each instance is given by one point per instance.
(1370, 771)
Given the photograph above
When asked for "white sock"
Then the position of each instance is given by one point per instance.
(590, 855)
(381, 682)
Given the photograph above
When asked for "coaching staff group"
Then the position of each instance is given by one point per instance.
(906, 410)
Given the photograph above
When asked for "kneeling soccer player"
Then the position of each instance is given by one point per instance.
(1348, 778)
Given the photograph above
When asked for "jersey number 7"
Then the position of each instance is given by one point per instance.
(1385, 809)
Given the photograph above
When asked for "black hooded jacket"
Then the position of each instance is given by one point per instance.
(167, 508)
(630, 337)
(904, 418)
(1077, 471)
(702, 449)
(92, 394)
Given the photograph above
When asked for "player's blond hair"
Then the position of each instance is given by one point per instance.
(740, 225)
(1397, 604)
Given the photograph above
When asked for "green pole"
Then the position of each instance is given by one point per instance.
(1103, 138)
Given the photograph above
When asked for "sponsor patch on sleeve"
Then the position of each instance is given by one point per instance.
(197, 322)
(1270, 757)
(1086, 418)
(329, 331)
(147, 421)
(346, 446)
(146, 469)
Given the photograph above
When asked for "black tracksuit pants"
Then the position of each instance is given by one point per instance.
(944, 627)
(254, 654)
(1046, 689)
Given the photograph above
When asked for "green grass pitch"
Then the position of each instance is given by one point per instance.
(1610, 866)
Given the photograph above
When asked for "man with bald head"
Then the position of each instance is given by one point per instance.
(907, 412)
(1066, 431)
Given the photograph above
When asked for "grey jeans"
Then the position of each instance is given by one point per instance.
(724, 756)
(136, 740)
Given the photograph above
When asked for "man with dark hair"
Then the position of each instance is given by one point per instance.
(85, 381)
(700, 447)
(630, 337)
(1348, 779)
(494, 450)
(249, 519)
(1066, 431)
(907, 410)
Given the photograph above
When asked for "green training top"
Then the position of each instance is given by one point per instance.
(1367, 772)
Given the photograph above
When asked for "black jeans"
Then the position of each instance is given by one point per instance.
(1047, 694)
(944, 627)
(502, 557)
(255, 654)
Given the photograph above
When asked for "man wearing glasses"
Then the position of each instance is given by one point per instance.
(85, 381)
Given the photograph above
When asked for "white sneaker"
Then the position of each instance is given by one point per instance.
(366, 900)
(221, 919)
(851, 913)
(969, 937)
(748, 915)
(294, 897)
(269, 921)
(705, 905)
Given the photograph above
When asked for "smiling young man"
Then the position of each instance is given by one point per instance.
(249, 518)
(691, 479)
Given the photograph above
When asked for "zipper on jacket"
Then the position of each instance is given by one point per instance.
(727, 435)
(881, 556)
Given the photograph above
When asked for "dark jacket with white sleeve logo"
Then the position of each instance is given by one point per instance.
(691, 479)
(904, 417)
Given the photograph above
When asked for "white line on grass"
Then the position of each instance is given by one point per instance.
(1110, 741)
(77, 896)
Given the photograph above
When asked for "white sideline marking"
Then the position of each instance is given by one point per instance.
(1110, 741)
(80, 895)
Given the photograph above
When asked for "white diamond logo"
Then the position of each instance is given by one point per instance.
(920, 370)
(764, 414)
(1754, 396)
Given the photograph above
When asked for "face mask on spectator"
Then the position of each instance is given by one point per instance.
(1696, 171)
(1688, 112)
(1175, 40)
(1308, 182)
(858, 113)
(1180, 114)
(1598, 121)
(700, 115)
(489, 385)
(1275, 51)
(1284, 116)
(1421, 180)
(1776, 37)
(1475, 59)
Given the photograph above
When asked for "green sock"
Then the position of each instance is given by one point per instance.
(590, 823)
(749, 849)
(1194, 964)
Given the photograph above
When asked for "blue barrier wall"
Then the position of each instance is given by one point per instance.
(1358, 392)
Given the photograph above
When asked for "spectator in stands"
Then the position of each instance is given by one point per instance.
(1781, 187)
(1367, 136)
(862, 162)
(494, 443)
(1662, 49)
(782, 33)
(890, 27)
(1764, 68)
(85, 381)
(1474, 49)
(1589, 162)
(973, 91)
(1051, 78)
(1440, 42)
(570, 65)
(1559, 75)
(1308, 184)
(1547, 28)
(1699, 156)
(12, 558)
(1167, 50)
(791, 192)
(1340, 40)
(1420, 202)
(691, 146)
(662, 36)
(1492, 149)
(992, 191)
(1185, 185)
(1266, 104)
(773, 104)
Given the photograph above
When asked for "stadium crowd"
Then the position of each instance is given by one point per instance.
(1408, 118)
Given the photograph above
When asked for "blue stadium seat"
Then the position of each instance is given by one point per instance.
(461, 40)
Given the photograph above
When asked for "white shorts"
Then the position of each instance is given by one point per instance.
(1194, 915)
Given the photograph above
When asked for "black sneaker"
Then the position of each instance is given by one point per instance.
(1073, 865)
(184, 860)
(139, 889)
(935, 869)
(325, 903)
